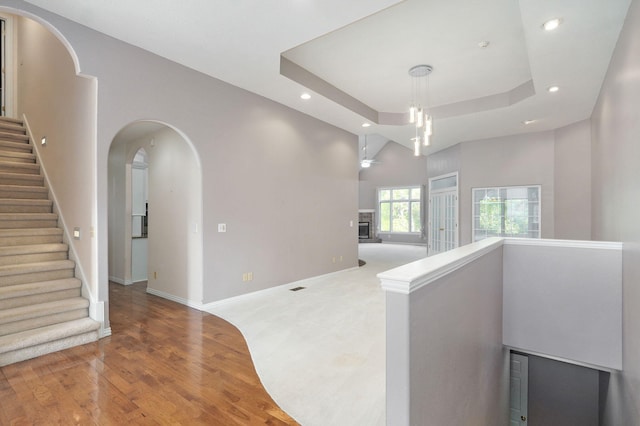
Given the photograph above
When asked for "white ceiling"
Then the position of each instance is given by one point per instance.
(365, 48)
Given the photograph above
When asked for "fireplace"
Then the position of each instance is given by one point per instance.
(363, 230)
(367, 227)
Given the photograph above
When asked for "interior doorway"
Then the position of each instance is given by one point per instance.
(443, 213)
(8, 73)
(155, 204)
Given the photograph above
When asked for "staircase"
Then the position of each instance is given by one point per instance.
(41, 308)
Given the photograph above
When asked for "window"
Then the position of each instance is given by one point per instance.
(399, 209)
(512, 211)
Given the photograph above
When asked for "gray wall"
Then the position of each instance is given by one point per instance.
(616, 202)
(462, 312)
(562, 394)
(398, 167)
(446, 364)
(513, 160)
(285, 183)
(572, 178)
(62, 107)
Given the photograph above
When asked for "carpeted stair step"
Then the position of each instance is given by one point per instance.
(32, 253)
(28, 220)
(14, 296)
(19, 237)
(23, 192)
(34, 272)
(21, 179)
(12, 127)
(33, 343)
(15, 167)
(18, 157)
(14, 205)
(13, 137)
(16, 146)
(5, 119)
(24, 318)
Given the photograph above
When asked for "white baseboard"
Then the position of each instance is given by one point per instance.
(176, 299)
(212, 305)
(120, 281)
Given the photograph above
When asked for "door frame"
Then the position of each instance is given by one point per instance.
(9, 76)
(441, 191)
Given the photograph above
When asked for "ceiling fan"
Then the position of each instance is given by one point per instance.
(366, 162)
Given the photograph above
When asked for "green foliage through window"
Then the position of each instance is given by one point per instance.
(506, 212)
(400, 209)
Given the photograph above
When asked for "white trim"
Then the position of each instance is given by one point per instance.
(176, 299)
(557, 358)
(212, 305)
(413, 276)
(120, 281)
(598, 245)
(443, 191)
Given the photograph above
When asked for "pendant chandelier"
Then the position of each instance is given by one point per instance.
(418, 114)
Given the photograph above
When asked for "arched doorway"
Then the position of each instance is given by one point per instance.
(172, 203)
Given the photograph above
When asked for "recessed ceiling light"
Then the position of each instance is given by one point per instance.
(552, 24)
(483, 44)
(527, 122)
(366, 124)
(305, 96)
(553, 89)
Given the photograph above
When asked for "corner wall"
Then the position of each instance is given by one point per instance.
(60, 105)
(397, 167)
(284, 183)
(615, 134)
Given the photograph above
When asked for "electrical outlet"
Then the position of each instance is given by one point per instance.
(340, 258)
(245, 276)
(334, 259)
(249, 276)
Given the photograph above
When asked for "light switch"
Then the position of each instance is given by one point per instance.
(76, 233)
(222, 227)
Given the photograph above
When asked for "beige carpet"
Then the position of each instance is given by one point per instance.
(320, 351)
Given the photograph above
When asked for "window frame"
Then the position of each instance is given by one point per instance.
(500, 188)
(410, 200)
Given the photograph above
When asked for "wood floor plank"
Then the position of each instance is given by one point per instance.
(164, 364)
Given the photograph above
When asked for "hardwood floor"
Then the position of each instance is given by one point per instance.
(164, 364)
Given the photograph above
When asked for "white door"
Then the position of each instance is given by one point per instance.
(443, 213)
(518, 394)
